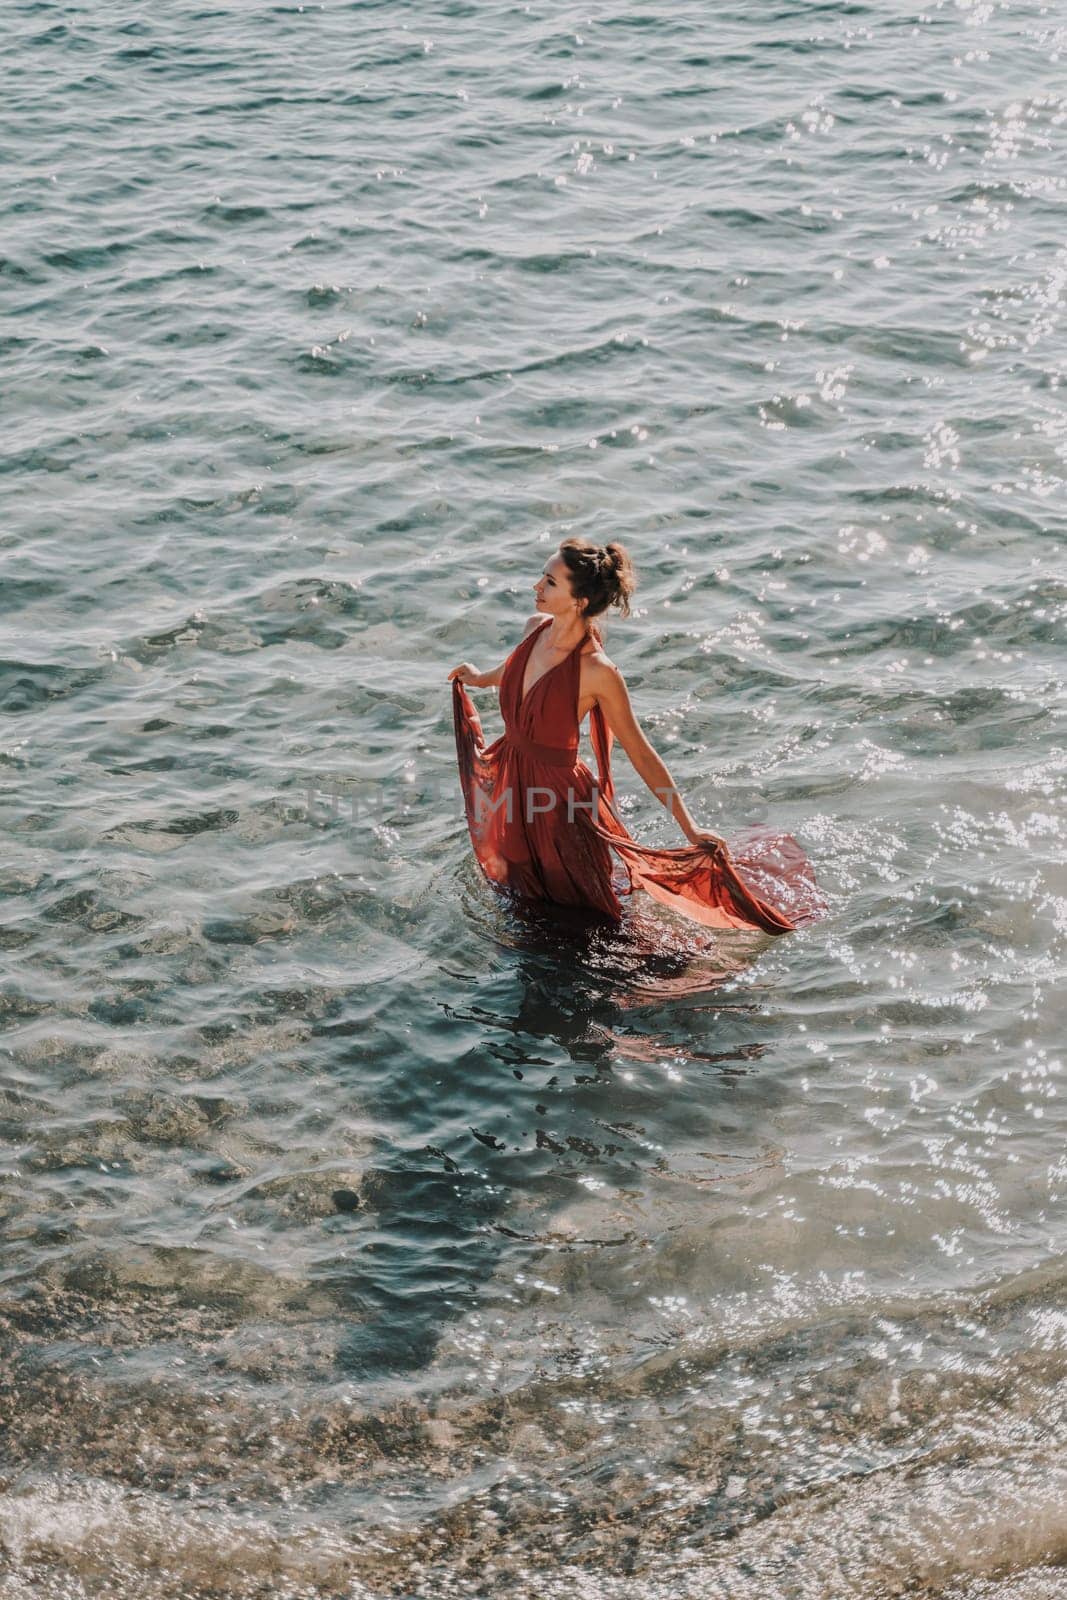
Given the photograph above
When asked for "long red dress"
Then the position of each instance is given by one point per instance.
(543, 827)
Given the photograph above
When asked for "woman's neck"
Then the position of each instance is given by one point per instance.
(567, 637)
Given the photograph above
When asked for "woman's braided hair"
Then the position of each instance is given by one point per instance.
(601, 575)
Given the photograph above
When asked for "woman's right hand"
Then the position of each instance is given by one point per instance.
(466, 674)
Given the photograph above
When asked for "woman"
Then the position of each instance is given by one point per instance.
(539, 822)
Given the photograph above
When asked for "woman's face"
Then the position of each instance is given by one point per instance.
(552, 591)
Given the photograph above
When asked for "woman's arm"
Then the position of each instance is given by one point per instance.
(486, 680)
(614, 699)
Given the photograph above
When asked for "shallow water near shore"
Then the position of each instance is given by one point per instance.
(360, 1235)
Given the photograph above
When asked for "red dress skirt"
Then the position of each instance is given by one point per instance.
(543, 827)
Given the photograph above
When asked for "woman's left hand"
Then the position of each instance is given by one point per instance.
(704, 836)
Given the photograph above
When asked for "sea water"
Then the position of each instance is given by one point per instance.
(361, 1236)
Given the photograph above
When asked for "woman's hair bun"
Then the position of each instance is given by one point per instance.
(602, 575)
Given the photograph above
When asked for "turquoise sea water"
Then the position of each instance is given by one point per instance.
(358, 1238)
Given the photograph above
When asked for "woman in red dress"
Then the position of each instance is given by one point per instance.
(543, 827)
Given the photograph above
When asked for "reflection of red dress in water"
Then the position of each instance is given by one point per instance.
(542, 826)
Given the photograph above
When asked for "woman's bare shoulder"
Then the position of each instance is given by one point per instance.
(532, 622)
(597, 662)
